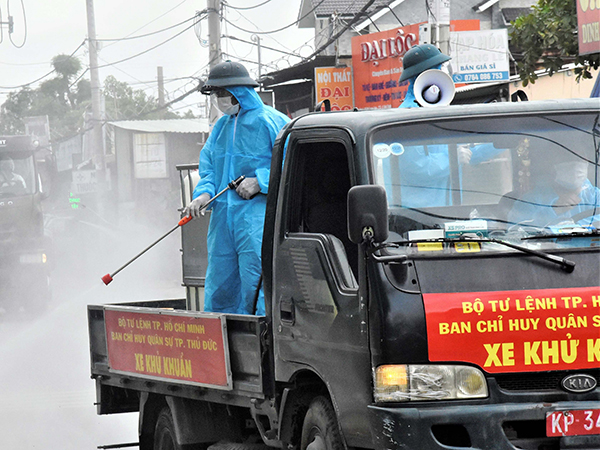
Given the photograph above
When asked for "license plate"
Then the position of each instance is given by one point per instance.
(573, 422)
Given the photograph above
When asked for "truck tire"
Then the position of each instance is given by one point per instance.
(320, 430)
(164, 434)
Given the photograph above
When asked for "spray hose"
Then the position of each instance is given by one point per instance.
(231, 185)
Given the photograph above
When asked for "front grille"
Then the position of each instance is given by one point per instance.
(542, 381)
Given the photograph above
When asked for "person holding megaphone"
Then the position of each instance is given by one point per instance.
(436, 88)
(425, 170)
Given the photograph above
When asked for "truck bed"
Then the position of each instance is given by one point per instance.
(159, 347)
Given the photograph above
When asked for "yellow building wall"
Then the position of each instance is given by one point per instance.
(560, 85)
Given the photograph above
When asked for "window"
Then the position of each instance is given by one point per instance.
(150, 158)
(320, 190)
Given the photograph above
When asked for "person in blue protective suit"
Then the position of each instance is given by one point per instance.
(425, 170)
(564, 198)
(240, 143)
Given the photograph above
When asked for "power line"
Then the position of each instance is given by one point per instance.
(262, 46)
(355, 19)
(154, 20)
(257, 27)
(247, 7)
(148, 50)
(79, 77)
(166, 105)
(24, 24)
(317, 36)
(127, 38)
(42, 77)
(277, 30)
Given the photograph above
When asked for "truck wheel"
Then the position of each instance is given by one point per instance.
(320, 430)
(164, 434)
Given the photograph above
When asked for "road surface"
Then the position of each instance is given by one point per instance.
(46, 394)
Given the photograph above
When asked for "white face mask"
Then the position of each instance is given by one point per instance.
(226, 106)
(571, 175)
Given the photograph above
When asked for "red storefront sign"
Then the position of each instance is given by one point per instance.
(588, 25)
(167, 344)
(335, 84)
(377, 64)
(516, 331)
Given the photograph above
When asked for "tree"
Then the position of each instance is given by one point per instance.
(66, 98)
(123, 102)
(60, 98)
(548, 39)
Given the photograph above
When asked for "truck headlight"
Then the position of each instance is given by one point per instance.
(401, 383)
(33, 258)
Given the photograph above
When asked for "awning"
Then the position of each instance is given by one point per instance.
(164, 126)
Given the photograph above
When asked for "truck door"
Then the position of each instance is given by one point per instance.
(315, 311)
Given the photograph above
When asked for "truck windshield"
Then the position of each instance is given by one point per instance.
(17, 174)
(520, 179)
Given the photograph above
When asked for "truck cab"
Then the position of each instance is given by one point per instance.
(24, 273)
(455, 325)
(431, 282)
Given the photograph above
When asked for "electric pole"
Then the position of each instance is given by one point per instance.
(97, 140)
(256, 38)
(214, 46)
(161, 91)
(439, 24)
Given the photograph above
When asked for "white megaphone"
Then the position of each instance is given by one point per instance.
(434, 87)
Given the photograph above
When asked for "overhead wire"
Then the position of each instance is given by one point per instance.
(43, 76)
(247, 7)
(262, 46)
(147, 50)
(355, 19)
(277, 30)
(152, 21)
(127, 38)
(24, 24)
(1, 28)
(257, 27)
(320, 34)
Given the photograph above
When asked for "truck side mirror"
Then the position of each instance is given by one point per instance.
(367, 208)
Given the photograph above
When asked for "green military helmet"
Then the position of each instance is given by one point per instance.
(421, 58)
(225, 74)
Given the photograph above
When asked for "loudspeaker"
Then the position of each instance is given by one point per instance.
(434, 88)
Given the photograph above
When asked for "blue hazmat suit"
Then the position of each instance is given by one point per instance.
(425, 170)
(239, 144)
(535, 207)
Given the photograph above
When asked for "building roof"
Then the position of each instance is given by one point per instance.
(325, 8)
(165, 126)
(510, 14)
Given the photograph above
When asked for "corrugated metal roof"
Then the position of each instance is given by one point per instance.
(511, 14)
(165, 126)
(344, 7)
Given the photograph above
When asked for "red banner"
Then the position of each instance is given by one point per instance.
(516, 331)
(588, 24)
(171, 345)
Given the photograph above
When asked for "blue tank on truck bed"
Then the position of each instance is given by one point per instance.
(431, 282)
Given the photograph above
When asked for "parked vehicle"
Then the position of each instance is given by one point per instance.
(408, 305)
(24, 265)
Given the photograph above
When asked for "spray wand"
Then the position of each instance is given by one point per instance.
(231, 185)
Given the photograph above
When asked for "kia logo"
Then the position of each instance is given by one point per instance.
(579, 383)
